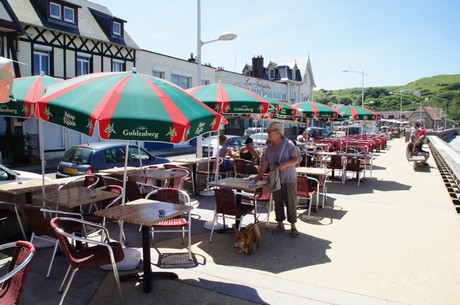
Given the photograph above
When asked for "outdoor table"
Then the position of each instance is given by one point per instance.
(313, 171)
(26, 187)
(145, 212)
(193, 162)
(240, 184)
(75, 197)
(119, 170)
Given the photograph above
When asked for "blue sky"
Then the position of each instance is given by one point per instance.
(393, 41)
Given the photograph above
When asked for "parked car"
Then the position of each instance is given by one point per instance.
(259, 139)
(317, 132)
(355, 130)
(93, 157)
(252, 130)
(235, 142)
(7, 175)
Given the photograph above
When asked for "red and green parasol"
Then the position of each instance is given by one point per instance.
(127, 106)
(225, 98)
(6, 79)
(282, 108)
(351, 112)
(26, 91)
(316, 110)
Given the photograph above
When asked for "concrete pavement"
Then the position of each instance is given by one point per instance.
(392, 240)
(395, 239)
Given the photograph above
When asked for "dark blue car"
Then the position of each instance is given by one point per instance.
(90, 158)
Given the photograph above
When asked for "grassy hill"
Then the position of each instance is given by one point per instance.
(441, 91)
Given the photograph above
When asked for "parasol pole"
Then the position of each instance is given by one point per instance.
(125, 173)
(208, 192)
(41, 139)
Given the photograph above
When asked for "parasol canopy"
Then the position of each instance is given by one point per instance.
(316, 110)
(26, 91)
(351, 112)
(226, 99)
(6, 79)
(127, 106)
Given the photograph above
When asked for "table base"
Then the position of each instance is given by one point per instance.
(146, 282)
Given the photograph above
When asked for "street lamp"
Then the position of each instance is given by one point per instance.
(416, 93)
(362, 84)
(199, 44)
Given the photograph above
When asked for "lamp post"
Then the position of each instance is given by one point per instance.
(362, 84)
(199, 44)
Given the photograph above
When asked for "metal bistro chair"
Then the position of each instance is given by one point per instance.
(226, 205)
(118, 190)
(188, 178)
(11, 213)
(39, 224)
(176, 224)
(93, 253)
(12, 283)
(177, 183)
(243, 168)
(304, 191)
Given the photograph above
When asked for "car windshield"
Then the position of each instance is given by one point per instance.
(78, 155)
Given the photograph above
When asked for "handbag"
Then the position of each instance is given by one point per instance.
(273, 180)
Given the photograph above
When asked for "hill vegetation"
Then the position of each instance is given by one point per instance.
(441, 91)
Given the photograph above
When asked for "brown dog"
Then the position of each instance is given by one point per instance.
(248, 240)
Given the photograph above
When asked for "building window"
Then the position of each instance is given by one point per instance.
(69, 14)
(118, 66)
(55, 11)
(182, 81)
(83, 66)
(293, 74)
(158, 74)
(205, 82)
(271, 74)
(41, 63)
(116, 28)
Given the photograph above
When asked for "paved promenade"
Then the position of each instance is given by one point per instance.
(395, 239)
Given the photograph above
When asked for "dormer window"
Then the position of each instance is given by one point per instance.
(271, 74)
(69, 14)
(116, 28)
(55, 10)
(59, 12)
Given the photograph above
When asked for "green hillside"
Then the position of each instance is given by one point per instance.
(441, 91)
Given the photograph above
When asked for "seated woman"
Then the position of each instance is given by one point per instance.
(418, 150)
(248, 152)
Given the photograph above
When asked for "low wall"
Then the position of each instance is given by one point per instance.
(448, 162)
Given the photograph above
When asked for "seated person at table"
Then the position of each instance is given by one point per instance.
(418, 150)
(302, 138)
(248, 152)
(225, 151)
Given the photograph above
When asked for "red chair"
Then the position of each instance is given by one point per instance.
(176, 224)
(227, 205)
(11, 213)
(353, 164)
(304, 191)
(39, 224)
(118, 190)
(178, 183)
(93, 254)
(12, 283)
(187, 179)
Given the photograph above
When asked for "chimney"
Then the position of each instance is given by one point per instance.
(258, 66)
